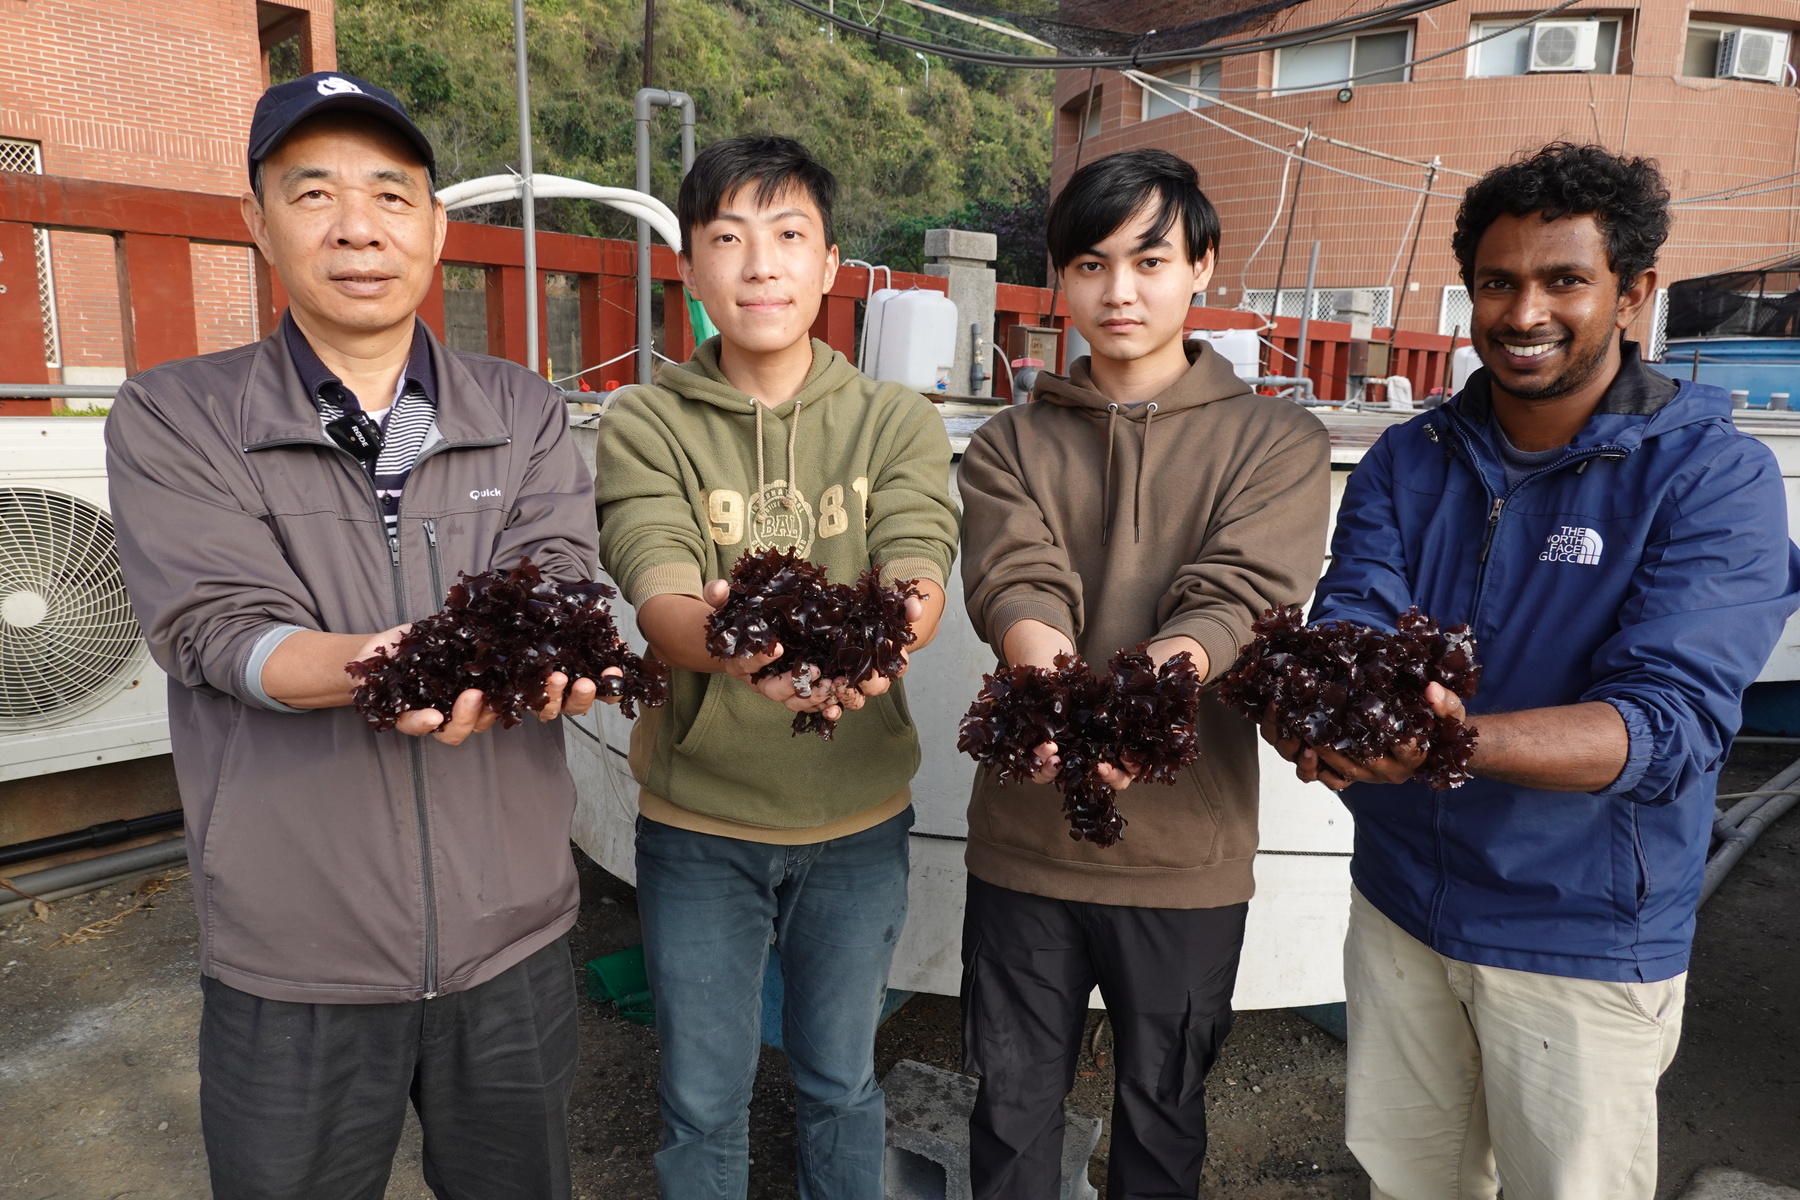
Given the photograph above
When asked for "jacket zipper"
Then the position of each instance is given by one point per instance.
(437, 571)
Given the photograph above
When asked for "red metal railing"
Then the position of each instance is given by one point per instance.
(152, 229)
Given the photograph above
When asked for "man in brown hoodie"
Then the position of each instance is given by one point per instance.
(1150, 497)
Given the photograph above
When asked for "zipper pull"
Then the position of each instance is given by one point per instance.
(431, 534)
(1493, 521)
(394, 549)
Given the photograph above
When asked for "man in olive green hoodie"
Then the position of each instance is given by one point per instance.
(1149, 497)
(748, 836)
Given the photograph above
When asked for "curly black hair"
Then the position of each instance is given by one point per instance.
(1626, 196)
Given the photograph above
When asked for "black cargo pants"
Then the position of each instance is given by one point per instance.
(1029, 965)
(307, 1101)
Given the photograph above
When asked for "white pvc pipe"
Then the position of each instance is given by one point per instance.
(491, 188)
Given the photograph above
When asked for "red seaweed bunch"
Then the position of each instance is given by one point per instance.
(1136, 716)
(504, 632)
(1360, 691)
(828, 632)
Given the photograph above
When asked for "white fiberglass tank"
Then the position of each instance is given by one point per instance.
(1239, 346)
(874, 317)
(918, 340)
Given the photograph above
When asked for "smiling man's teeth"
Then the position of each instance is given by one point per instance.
(1531, 351)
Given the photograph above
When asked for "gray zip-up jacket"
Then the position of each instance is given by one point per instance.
(332, 863)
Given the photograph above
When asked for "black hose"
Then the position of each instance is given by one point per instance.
(109, 833)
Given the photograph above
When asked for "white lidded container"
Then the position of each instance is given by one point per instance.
(873, 318)
(917, 345)
(1240, 347)
(1463, 364)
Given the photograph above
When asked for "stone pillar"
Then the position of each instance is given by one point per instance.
(962, 256)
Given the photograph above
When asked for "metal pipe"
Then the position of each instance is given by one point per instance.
(527, 198)
(1752, 816)
(58, 391)
(72, 879)
(109, 833)
(647, 99)
(1306, 305)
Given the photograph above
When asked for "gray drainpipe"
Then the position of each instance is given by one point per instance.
(647, 99)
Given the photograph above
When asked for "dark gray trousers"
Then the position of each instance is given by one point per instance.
(1029, 965)
(307, 1101)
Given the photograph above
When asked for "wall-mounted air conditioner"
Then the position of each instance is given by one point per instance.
(77, 686)
(1759, 54)
(1564, 45)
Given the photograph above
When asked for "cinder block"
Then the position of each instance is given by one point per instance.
(1721, 1183)
(980, 248)
(928, 1137)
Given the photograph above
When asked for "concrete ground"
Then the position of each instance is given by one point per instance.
(99, 1009)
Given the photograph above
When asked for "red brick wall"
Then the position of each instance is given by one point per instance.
(1708, 134)
(155, 92)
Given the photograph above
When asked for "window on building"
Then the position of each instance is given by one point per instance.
(1455, 312)
(1379, 57)
(1717, 51)
(28, 158)
(1510, 53)
(1202, 77)
(1324, 306)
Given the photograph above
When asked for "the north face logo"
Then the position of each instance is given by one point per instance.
(336, 86)
(1573, 544)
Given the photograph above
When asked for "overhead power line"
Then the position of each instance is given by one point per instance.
(1119, 62)
(991, 26)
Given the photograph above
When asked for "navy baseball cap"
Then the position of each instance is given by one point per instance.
(287, 104)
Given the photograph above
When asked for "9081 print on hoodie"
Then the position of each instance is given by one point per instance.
(1649, 567)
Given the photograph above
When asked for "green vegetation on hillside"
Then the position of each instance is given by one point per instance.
(974, 145)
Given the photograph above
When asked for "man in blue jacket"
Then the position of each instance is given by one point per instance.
(1518, 947)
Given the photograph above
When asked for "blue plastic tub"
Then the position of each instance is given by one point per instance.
(1759, 366)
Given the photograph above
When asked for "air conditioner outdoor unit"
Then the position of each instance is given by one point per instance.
(1564, 45)
(77, 686)
(1759, 54)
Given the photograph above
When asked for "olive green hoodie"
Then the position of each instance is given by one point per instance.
(692, 473)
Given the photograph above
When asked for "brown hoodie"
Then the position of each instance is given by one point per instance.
(1187, 515)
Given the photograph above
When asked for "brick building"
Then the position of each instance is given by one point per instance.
(1644, 78)
(155, 92)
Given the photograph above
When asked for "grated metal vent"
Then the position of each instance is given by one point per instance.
(27, 159)
(67, 636)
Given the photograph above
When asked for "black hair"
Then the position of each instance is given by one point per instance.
(1626, 197)
(773, 164)
(1106, 193)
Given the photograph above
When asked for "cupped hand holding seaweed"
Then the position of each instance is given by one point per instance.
(1137, 716)
(828, 645)
(506, 634)
(1362, 693)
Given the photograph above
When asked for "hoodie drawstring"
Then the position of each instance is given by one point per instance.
(1137, 492)
(1112, 424)
(788, 498)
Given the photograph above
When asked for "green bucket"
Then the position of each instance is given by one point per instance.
(620, 979)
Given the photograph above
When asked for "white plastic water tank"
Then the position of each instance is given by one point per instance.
(1239, 346)
(1074, 346)
(1462, 365)
(872, 322)
(918, 340)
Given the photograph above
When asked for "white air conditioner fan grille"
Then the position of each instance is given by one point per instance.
(67, 636)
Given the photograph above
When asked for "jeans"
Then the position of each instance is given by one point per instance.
(711, 908)
(1029, 965)
(307, 1101)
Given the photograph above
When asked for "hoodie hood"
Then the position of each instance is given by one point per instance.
(701, 379)
(1209, 377)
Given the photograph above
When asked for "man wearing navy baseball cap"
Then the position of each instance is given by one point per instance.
(383, 916)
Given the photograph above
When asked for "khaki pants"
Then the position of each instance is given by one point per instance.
(1456, 1069)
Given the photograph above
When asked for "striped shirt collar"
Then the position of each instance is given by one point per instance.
(316, 377)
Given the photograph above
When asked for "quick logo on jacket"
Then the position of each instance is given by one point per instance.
(1573, 544)
(773, 524)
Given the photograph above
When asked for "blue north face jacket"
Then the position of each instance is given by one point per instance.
(1648, 567)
